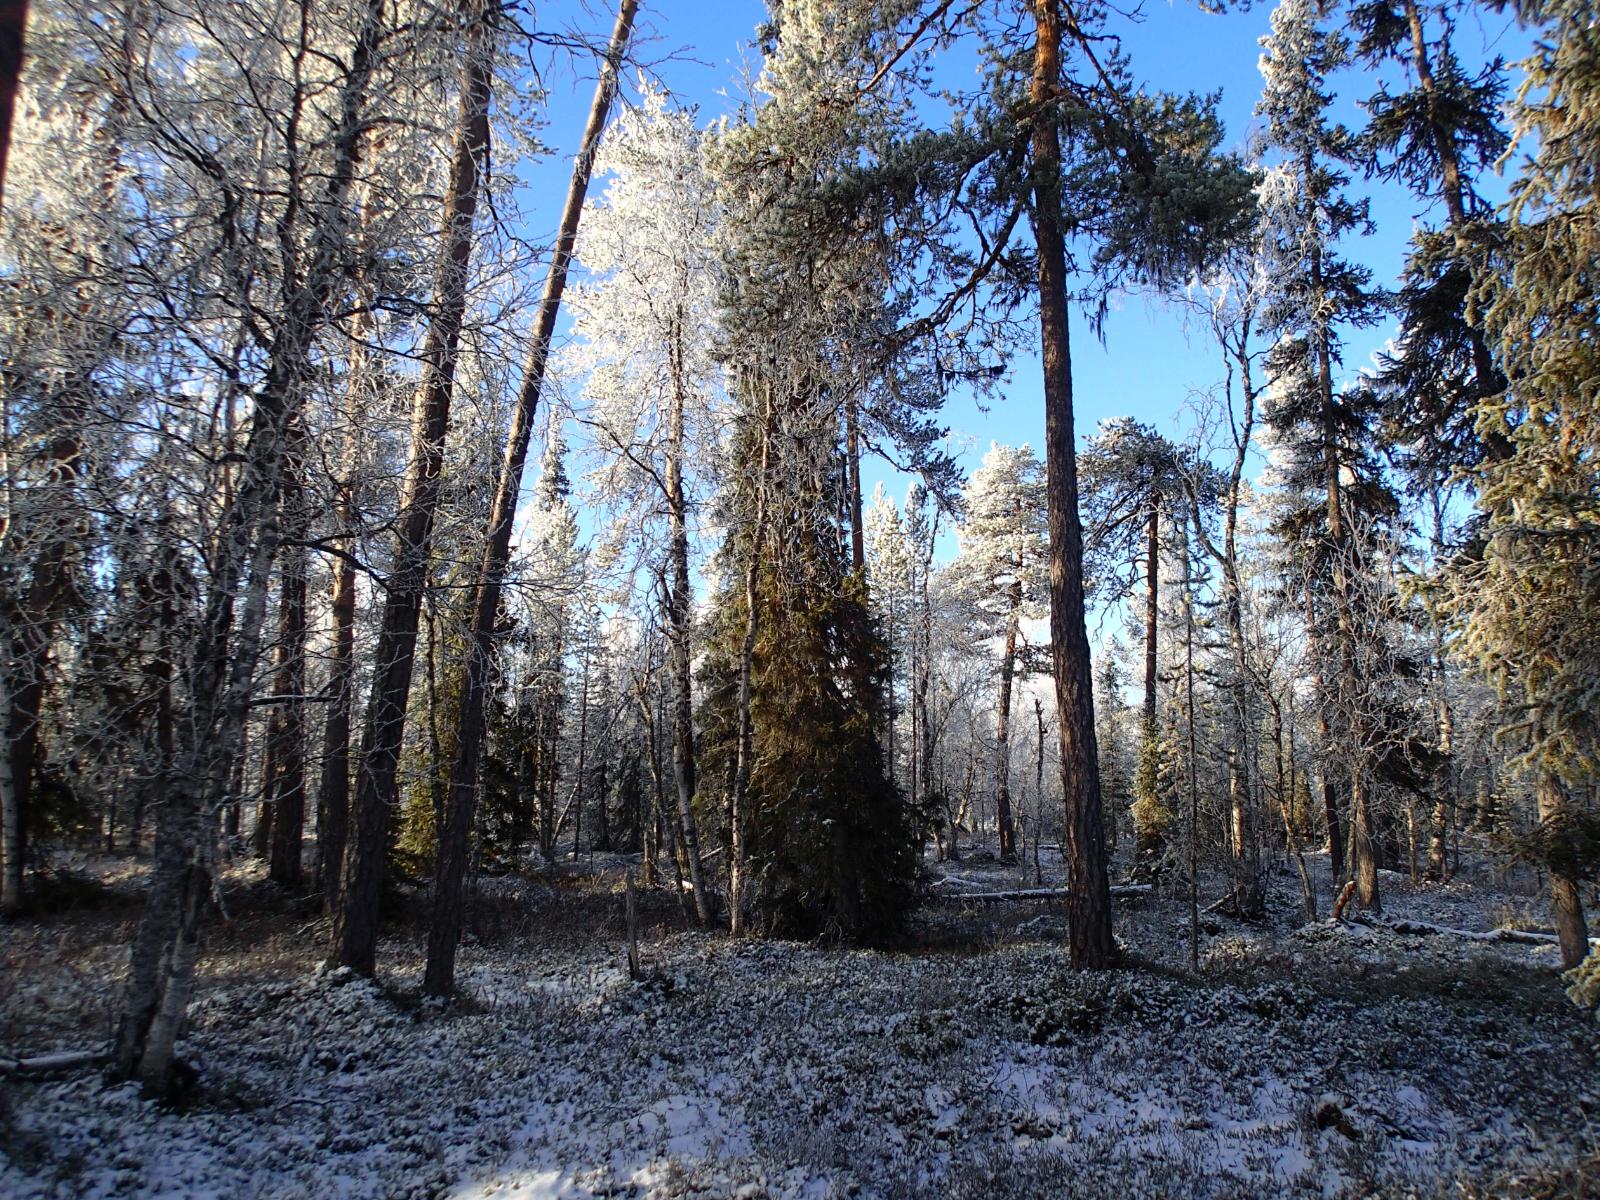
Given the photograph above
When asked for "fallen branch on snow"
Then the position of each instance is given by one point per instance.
(1122, 891)
(49, 1064)
(1424, 929)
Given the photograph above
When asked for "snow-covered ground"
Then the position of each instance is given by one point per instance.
(1324, 1061)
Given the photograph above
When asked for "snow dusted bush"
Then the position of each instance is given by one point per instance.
(1584, 983)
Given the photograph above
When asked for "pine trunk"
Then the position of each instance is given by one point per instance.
(1089, 898)
(445, 928)
(356, 919)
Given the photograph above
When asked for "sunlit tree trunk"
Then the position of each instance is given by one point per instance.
(445, 928)
(1089, 889)
(356, 919)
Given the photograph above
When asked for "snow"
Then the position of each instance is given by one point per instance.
(1325, 1061)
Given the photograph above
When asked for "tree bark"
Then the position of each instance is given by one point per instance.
(1152, 613)
(1565, 901)
(1347, 689)
(333, 793)
(227, 646)
(287, 783)
(858, 543)
(1002, 727)
(445, 928)
(356, 919)
(1089, 905)
(32, 635)
(745, 746)
(13, 27)
(679, 597)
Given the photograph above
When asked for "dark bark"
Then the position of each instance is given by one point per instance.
(34, 622)
(286, 733)
(356, 919)
(1486, 378)
(745, 738)
(852, 450)
(1002, 731)
(1089, 904)
(333, 792)
(1152, 612)
(13, 28)
(445, 928)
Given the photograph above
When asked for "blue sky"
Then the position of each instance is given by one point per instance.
(1149, 365)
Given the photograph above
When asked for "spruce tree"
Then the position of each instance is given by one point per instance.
(1311, 293)
(1531, 606)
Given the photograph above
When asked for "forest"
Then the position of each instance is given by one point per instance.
(567, 633)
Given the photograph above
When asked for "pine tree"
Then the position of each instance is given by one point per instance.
(1435, 136)
(1002, 570)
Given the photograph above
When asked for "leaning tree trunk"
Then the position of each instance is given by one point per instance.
(445, 928)
(356, 918)
(1089, 887)
(224, 658)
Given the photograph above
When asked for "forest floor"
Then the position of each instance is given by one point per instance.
(1314, 1060)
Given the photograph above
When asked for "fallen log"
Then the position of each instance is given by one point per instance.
(50, 1064)
(1121, 891)
(1526, 937)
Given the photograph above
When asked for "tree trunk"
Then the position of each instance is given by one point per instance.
(226, 649)
(1564, 898)
(1486, 378)
(1089, 904)
(445, 928)
(583, 754)
(1330, 801)
(1285, 790)
(333, 794)
(13, 27)
(1348, 689)
(287, 783)
(679, 597)
(1152, 614)
(1363, 857)
(32, 636)
(356, 919)
(1002, 729)
(858, 544)
(745, 746)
